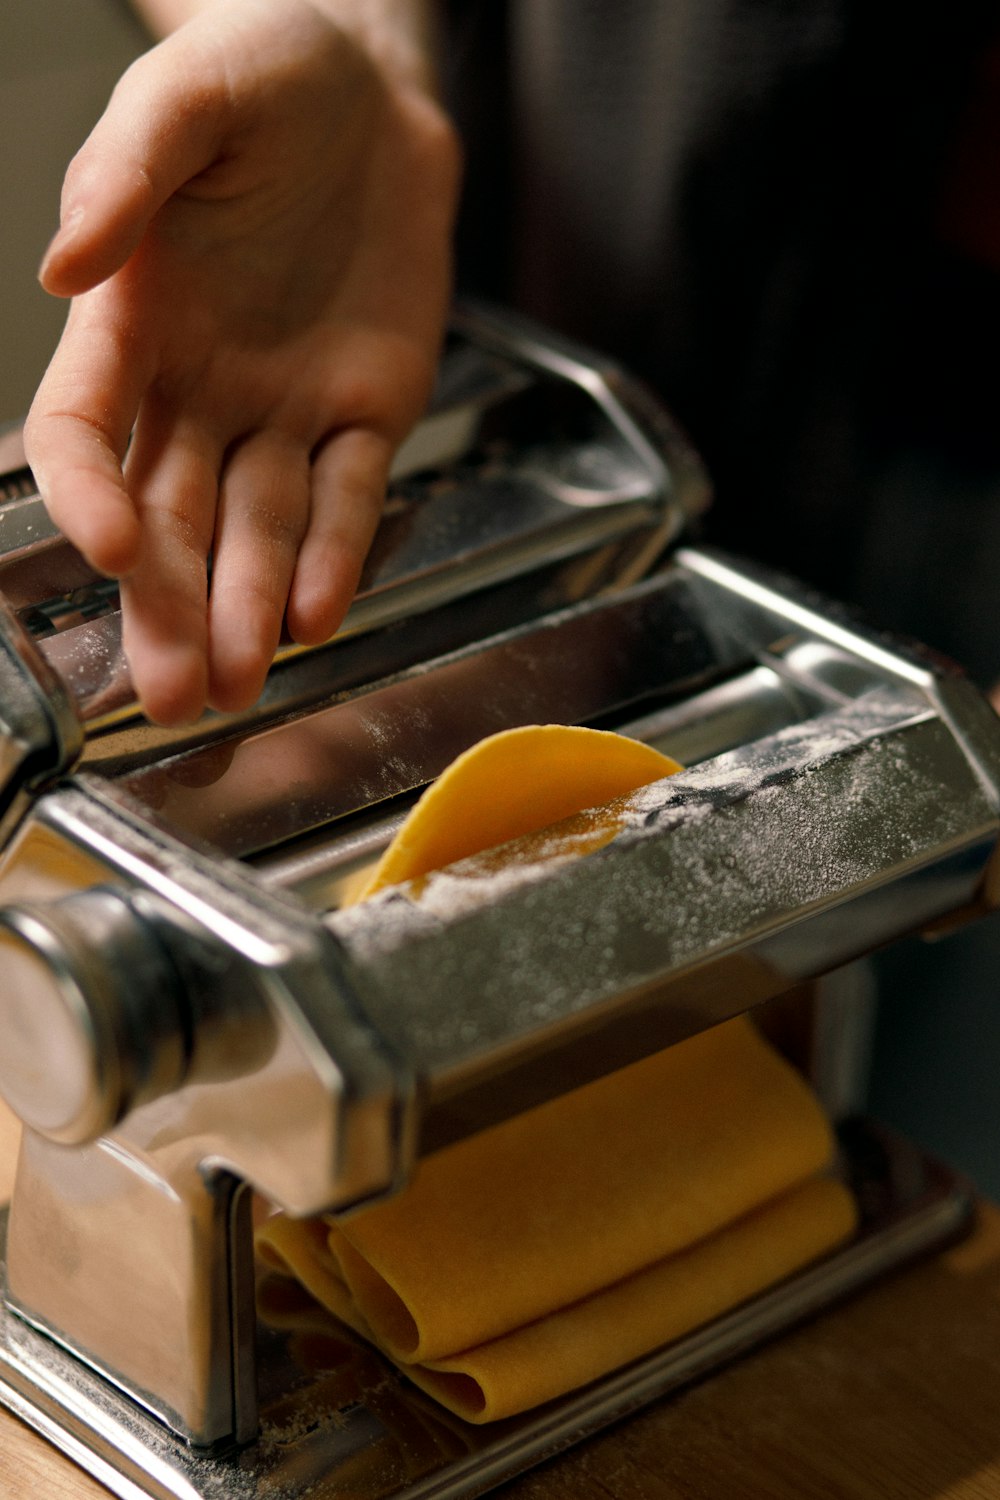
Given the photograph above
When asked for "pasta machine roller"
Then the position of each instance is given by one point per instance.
(189, 1011)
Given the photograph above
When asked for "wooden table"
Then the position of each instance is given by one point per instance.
(893, 1396)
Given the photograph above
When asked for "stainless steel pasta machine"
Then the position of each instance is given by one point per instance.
(189, 1013)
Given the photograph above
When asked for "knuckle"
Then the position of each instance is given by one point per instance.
(185, 531)
(258, 601)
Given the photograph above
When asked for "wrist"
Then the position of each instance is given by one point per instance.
(400, 35)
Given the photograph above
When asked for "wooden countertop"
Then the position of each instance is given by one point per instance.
(893, 1396)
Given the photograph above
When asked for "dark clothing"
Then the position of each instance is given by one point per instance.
(738, 199)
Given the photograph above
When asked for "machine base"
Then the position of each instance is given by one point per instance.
(337, 1419)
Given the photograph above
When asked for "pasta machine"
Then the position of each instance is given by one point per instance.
(190, 1013)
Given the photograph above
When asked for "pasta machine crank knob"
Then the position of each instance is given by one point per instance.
(93, 1021)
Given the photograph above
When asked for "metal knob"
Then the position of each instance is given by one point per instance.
(91, 1014)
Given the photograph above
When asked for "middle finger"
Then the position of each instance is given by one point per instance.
(262, 517)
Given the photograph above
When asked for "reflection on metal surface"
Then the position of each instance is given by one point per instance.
(86, 976)
(336, 1419)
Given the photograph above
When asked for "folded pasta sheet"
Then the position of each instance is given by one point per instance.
(542, 1253)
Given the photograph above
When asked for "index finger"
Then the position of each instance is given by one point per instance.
(77, 433)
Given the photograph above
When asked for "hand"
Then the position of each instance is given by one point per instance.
(256, 237)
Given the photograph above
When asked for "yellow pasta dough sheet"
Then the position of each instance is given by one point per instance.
(511, 784)
(542, 1253)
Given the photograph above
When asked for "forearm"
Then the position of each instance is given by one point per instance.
(399, 33)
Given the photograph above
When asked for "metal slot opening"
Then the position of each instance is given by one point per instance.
(323, 867)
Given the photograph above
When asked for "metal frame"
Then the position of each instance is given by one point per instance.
(209, 1019)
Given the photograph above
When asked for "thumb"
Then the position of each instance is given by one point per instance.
(158, 131)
